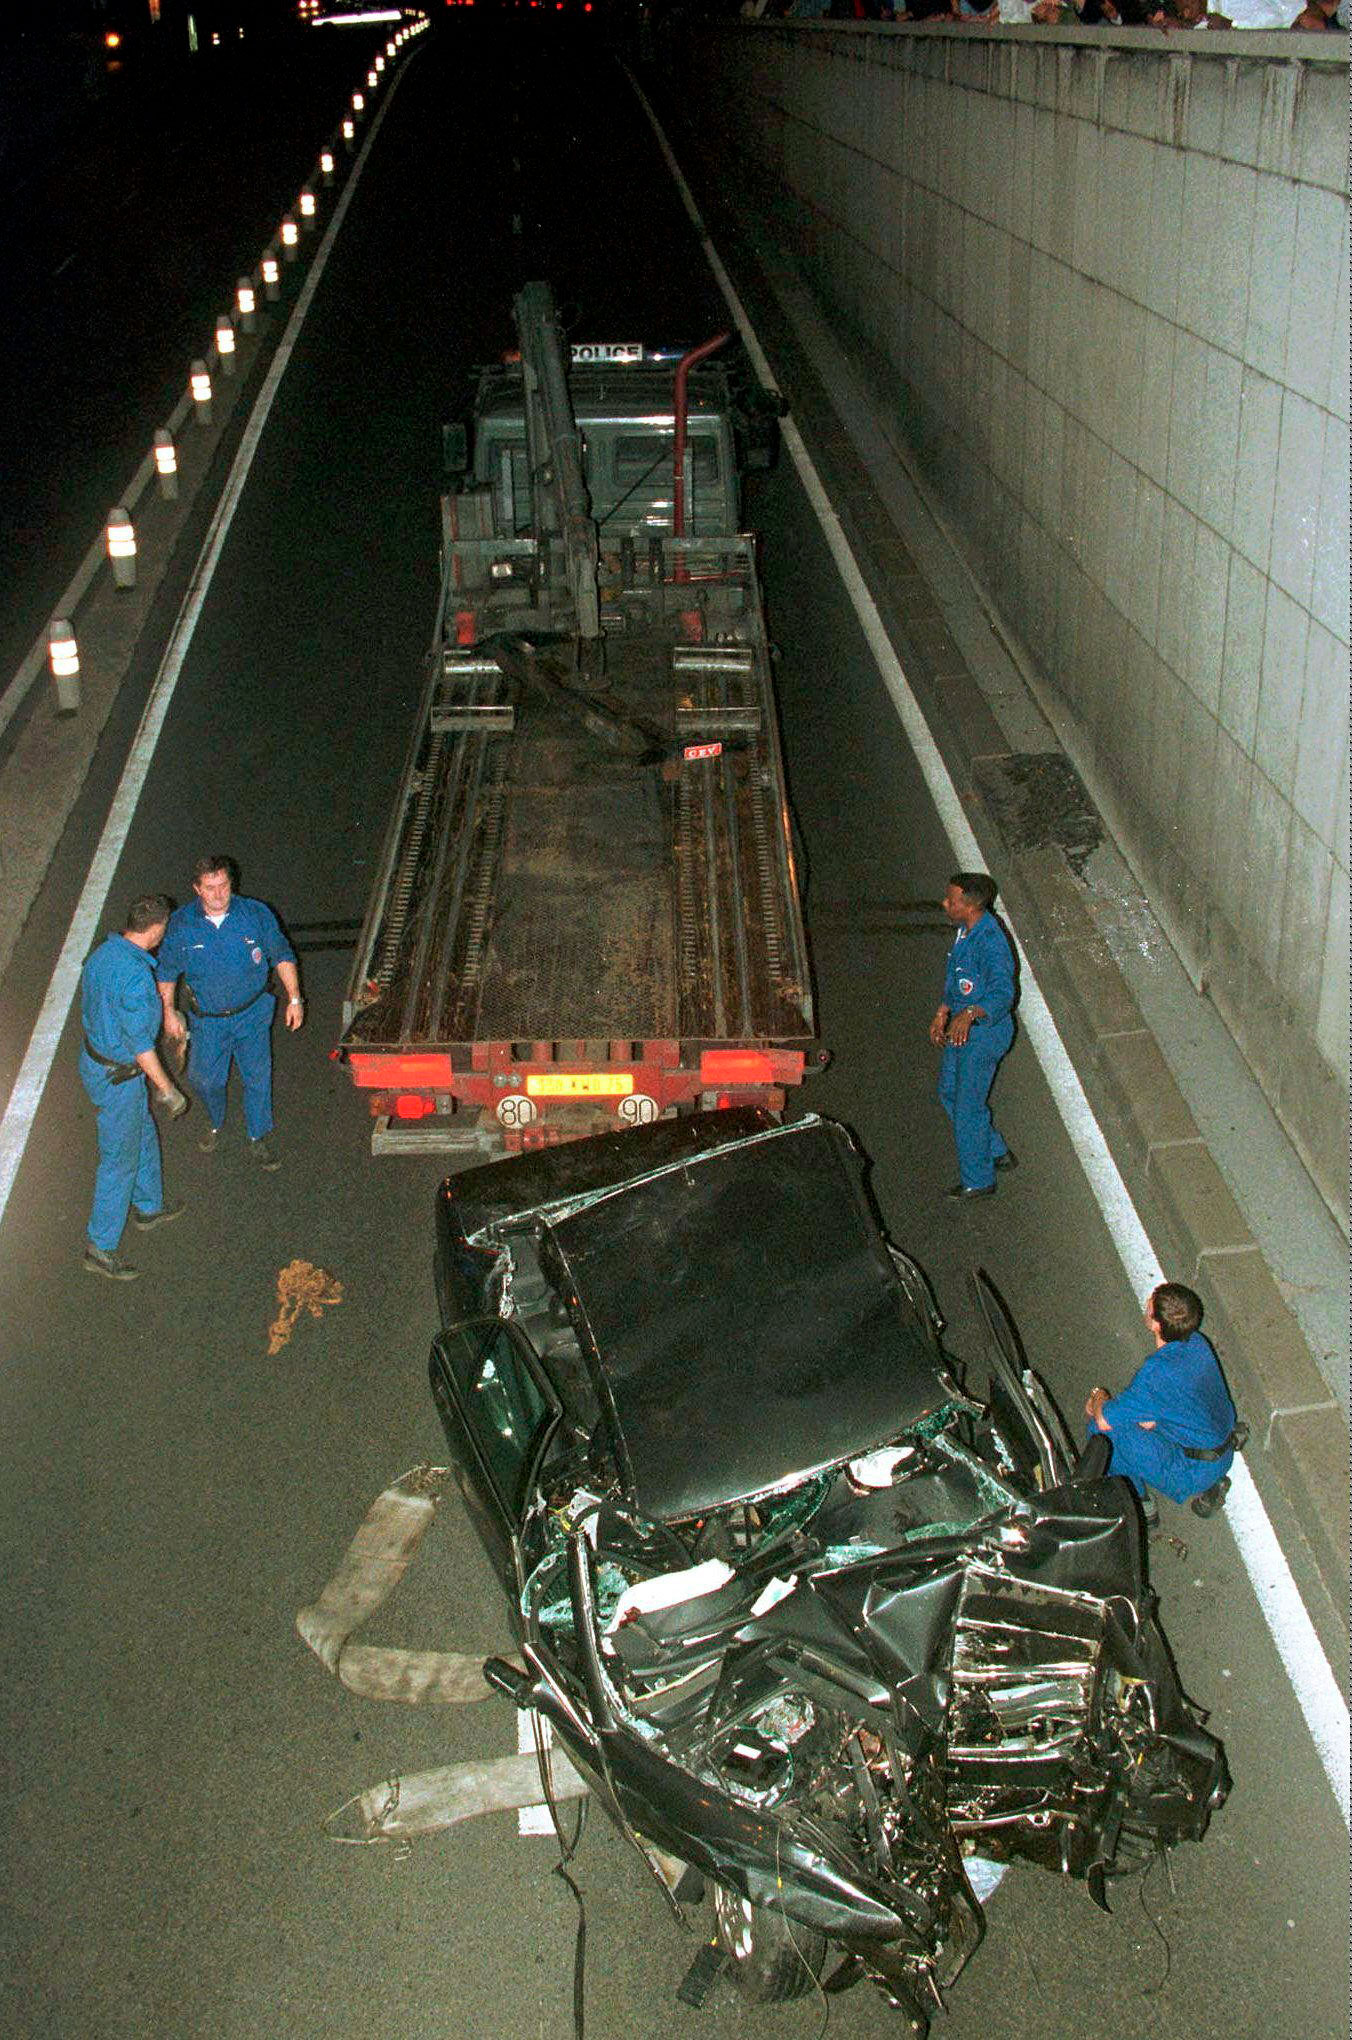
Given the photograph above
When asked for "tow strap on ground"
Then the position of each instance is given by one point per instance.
(376, 1560)
(424, 1801)
(427, 1801)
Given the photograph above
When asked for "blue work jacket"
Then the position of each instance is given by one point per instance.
(980, 970)
(226, 967)
(120, 1008)
(1181, 1390)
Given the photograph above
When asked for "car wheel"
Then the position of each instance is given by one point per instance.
(771, 1958)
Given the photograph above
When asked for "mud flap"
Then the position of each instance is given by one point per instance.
(375, 1562)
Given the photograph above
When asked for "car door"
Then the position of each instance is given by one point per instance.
(1022, 1408)
(495, 1406)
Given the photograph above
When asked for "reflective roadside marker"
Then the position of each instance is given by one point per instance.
(349, 130)
(166, 463)
(290, 239)
(371, 80)
(380, 64)
(200, 385)
(225, 344)
(306, 203)
(326, 166)
(357, 102)
(120, 538)
(246, 304)
(272, 277)
(64, 660)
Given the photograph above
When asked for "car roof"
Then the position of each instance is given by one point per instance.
(747, 1322)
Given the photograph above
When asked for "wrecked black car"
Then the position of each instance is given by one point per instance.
(815, 1622)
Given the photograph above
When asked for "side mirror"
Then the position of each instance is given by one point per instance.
(454, 452)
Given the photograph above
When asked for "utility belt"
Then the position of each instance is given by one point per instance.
(118, 1072)
(226, 1013)
(1236, 1442)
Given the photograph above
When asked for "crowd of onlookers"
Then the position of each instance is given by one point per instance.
(1321, 17)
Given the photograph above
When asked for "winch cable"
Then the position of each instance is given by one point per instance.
(797, 1949)
(1154, 1989)
(567, 1850)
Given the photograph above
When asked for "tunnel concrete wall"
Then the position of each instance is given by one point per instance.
(1100, 285)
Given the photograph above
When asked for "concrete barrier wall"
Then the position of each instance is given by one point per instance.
(1101, 285)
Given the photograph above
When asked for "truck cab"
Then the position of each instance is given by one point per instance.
(627, 427)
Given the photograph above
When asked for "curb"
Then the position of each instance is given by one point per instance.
(1296, 1424)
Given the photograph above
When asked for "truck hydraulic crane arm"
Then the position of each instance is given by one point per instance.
(555, 452)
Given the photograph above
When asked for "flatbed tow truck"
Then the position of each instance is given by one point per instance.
(586, 913)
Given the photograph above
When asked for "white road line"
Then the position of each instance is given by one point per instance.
(45, 1040)
(1317, 1691)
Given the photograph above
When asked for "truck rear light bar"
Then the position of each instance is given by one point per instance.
(400, 1072)
(720, 1066)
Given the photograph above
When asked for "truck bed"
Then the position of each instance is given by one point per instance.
(542, 883)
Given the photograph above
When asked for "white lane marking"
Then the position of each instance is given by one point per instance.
(22, 1106)
(1318, 1693)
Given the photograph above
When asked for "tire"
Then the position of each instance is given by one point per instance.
(771, 1958)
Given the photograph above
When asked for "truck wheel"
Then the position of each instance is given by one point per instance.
(770, 1958)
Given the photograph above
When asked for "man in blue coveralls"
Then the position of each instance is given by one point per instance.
(974, 1027)
(1173, 1426)
(224, 947)
(120, 1015)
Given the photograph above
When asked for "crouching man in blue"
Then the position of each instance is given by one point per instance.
(1173, 1427)
(224, 947)
(120, 1014)
(974, 1027)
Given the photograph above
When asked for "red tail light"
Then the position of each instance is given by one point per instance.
(413, 1105)
(735, 1066)
(371, 1071)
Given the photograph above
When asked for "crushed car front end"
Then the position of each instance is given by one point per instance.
(810, 1618)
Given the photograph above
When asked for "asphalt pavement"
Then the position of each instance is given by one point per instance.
(172, 1494)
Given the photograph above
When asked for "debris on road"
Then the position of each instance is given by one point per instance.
(427, 1801)
(300, 1286)
(375, 1562)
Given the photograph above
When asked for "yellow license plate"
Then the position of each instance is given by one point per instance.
(590, 1085)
